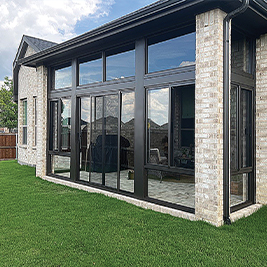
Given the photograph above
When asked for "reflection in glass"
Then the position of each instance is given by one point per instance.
(63, 77)
(239, 188)
(65, 124)
(173, 53)
(246, 128)
(157, 128)
(170, 141)
(110, 135)
(54, 126)
(96, 141)
(60, 165)
(121, 65)
(127, 142)
(85, 138)
(233, 128)
(90, 71)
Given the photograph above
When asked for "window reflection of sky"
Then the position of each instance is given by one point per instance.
(172, 53)
(121, 65)
(63, 78)
(90, 72)
(66, 111)
(158, 102)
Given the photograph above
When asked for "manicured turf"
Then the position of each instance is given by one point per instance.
(44, 224)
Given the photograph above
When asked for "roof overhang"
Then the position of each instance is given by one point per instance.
(152, 19)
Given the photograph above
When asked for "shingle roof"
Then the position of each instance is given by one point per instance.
(39, 44)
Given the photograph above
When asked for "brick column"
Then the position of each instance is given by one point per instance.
(41, 121)
(209, 117)
(261, 120)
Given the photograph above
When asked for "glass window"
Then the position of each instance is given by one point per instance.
(91, 71)
(54, 126)
(63, 77)
(60, 165)
(24, 123)
(120, 65)
(172, 53)
(171, 142)
(35, 121)
(65, 124)
(127, 142)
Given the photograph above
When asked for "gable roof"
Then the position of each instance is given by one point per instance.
(37, 44)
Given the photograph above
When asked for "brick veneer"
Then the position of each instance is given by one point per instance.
(209, 117)
(261, 119)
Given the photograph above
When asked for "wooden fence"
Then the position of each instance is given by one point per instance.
(7, 146)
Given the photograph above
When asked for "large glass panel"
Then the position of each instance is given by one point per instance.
(174, 187)
(110, 135)
(173, 53)
(246, 128)
(65, 124)
(85, 138)
(121, 65)
(157, 128)
(54, 126)
(91, 71)
(96, 141)
(233, 128)
(127, 142)
(60, 165)
(239, 188)
(63, 77)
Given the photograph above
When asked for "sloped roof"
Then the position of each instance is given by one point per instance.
(38, 44)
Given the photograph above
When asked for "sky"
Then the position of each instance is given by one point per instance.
(54, 20)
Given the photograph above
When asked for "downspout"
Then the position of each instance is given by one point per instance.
(226, 89)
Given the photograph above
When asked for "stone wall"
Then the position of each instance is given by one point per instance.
(209, 117)
(27, 84)
(261, 120)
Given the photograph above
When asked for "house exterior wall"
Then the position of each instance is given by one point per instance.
(41, 156)
(261, 120)
(209, 117)
(27, 83)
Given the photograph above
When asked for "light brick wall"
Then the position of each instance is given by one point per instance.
(261, 119)
(27, 81)
(41, 121)
(209, 117)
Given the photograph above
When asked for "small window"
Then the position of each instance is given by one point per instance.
(24, 123)
(172, 53)
(35, 121)
(120, 64)
(62, 77)
(90, 70)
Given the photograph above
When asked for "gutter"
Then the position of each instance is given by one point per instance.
(226, 105)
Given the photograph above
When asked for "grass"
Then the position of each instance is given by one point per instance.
(44, 224)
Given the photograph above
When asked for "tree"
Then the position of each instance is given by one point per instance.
(8, 108)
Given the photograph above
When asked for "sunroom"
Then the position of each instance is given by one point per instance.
(138, 107)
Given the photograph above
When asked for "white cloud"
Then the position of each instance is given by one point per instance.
(52, 20)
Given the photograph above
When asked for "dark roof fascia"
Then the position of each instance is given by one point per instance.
(137, 18)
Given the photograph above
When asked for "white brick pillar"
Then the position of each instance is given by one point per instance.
(209, 117)
(41, 121)
(261, 119)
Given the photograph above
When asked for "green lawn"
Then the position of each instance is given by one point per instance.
(44, 224)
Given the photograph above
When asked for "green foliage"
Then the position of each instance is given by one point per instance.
(45, 224)
(8, 109)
